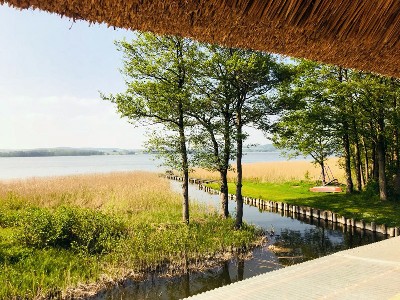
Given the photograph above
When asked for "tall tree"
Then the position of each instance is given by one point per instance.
(159, 72)
(212, 138)
(247, 78)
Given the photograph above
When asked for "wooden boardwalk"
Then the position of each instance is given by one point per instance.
(367, 272)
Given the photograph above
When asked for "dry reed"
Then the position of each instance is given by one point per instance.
(281, 171)
(123, 191)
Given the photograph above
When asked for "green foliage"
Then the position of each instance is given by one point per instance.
(71, 228)
(308, 126)
(159, 73)
(331, 110)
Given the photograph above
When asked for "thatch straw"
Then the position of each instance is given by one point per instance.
(362, 34)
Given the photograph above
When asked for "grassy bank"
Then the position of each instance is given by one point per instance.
(359, 206)
(59, 233)
(290, 182)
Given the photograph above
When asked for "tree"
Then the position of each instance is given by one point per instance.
(319, 110)
(247, 79)
(377, 97)
(212, 139)
(159, 72)
(307, 132)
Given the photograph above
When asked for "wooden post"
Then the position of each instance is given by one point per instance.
(390, 231)
(373, 227)
(334, 218)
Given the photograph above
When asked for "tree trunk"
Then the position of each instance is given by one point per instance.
(357, 155)
(223, 170)
(357, 160)
(240, 269)
(381, 162)
(322, 164)
(226, 157)
(185, 167)
(345, 137)
(396, 179)
(182, 137)
(224, 194)
(381, 169)
(347, 163)
(375, 168)
(366, 168)
(239, 153)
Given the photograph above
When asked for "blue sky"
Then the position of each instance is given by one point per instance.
(51, 72)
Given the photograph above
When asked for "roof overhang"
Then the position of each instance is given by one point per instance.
(361, 34)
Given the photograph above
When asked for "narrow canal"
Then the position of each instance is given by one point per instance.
(290, 241)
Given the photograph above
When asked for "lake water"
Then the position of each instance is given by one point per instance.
(24, 167)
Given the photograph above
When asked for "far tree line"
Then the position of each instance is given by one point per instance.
(201, 97)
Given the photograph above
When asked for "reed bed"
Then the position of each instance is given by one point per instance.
(59, 233)
(280, 171)
(121, 191)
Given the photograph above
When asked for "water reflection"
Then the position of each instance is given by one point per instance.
(296, 238)
(183, 286)
(295, 246)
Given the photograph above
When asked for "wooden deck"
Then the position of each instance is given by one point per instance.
(367, 272)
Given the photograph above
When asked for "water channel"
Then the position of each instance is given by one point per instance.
(307, 239)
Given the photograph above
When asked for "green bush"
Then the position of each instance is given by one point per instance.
(8, 218)
(71, 228)
(371, 189)
(13, 254)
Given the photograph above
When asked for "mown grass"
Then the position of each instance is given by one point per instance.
(365, 205)
(58, 233)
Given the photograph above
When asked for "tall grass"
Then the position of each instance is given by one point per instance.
(113, 191)
(280, 171)
(56, 233)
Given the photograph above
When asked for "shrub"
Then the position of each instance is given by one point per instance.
(13, 254)
(371, 189)
(72, 228)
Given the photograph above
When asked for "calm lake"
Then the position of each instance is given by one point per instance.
(24, 167)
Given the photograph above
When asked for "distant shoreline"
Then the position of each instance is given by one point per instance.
(50, 152)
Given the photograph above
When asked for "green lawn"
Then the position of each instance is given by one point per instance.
(358, 206)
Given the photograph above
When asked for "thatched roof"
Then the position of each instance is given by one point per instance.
(362, 34)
